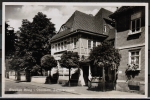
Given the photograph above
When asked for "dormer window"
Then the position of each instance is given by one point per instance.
(63, 28)
(135, 23)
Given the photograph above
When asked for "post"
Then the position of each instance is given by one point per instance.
(103, 79)
(69, 77)
(114, 82)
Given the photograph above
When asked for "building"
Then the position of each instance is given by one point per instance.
(130, 40)
(82, 32)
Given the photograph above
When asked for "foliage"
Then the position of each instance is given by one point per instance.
(33, 39)
(35, 71)
(132, 67)
(9, 41)
(105, 55)
(48, 61)
(131, 71)
(84, 62)
(15, 64)
(70, 59)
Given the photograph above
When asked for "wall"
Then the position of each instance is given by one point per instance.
(124, 43)
(124, 61)
(69, 47)
(84, 44)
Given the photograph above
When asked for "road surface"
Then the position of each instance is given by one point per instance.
(14, 87)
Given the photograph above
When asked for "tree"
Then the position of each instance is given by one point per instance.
(47, 62)
(104, 57)
(69, 60)
(34, 37)
(9, 41)
(15, 64)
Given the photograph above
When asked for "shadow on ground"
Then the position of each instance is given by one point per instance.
(10, 92)
(19, 81)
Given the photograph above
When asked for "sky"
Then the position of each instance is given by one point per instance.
(59, 14)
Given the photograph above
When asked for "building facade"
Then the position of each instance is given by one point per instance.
(130, 40)
(81, 33)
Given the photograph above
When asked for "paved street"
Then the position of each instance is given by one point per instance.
(13, 87)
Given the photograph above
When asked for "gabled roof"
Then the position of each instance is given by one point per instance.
(111, 34)
(121, 10)
(82, 21)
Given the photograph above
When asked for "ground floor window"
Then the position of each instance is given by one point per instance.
(134, 57)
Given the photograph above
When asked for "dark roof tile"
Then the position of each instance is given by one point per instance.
(82, 21)
(121, 10)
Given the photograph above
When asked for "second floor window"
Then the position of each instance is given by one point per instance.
(61, 45)
(71, 44)
(89, 44)
(56, 47)
(75, 42)
(136, 22)
(94, 43)
(65, 44)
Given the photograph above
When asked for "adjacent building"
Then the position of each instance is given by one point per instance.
(130, 40)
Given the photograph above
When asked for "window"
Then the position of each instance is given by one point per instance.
(89, 43)
(68, 44)
(134, 58)
(71, 44)
(65, 44)
(94, 43)
(136, 23)
(53, 46)
(63, 28)
(62, 45)
(75, 42)
(56, 47)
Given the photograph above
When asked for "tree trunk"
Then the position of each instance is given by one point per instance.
(49, 75)
(18, 76)
(103, 79)
(114, 82)
(69, 77)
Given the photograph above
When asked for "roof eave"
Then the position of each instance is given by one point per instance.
(93, 33)
(82, 31)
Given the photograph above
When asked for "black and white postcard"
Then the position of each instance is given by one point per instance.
(75, 50)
